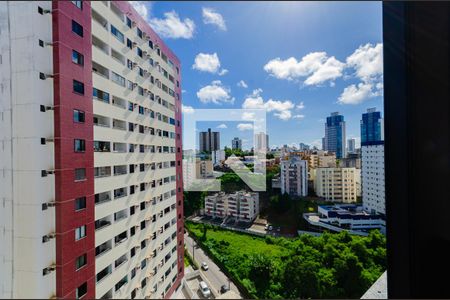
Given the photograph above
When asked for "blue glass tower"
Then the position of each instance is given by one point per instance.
(371, 128)
(335, 135)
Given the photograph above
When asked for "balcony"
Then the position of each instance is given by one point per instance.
(101, 121)
(102, 223)
(120, 261)
(120, 215)
(120, 284)
(98, 43)
(103, 248)
(118, 239)
(102, 172)
(102, 197)
(100, 19)
(120, 147)
(101, 146)
(116, 101)
(100, 70)
(103, 274)
(119, 193)
(119, 124)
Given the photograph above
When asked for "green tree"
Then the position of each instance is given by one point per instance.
(301, 278)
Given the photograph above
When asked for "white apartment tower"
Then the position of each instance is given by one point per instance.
(338, 184)
(373, 189)
(90, 126)
(294, 177)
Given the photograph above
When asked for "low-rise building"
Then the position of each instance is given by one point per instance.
(242, 206)
(217, 157)
(294, 177)
(338, 184)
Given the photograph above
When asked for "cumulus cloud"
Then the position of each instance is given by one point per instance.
(208, 63)
(242, 84)
(211, 16)
(355, 94)
(298, 116)
(244, 126)
(171, 26)
(316, 67)
(282, 109)
(247, 116)
(187, 109)
(222, 126)
(223, 72)
(367, 61)
(141, 8)
(301, 105)
(215, 93)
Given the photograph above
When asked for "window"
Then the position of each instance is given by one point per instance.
(139, 52)
(150, 44)
(141, 72)
(77, 58)
(129, 64)
(78, 4)
(78, 87)
(117, 34)
(132, 210)
(77, 28)
(140, 90)
(129, 44)
(81, 261)
(80, 203)
(139, 33)
(129, 24)
(79, 145)
(80, 174)
(81, 290)
(117, 79)
(101, 95)
(80, 232)
(78, 116)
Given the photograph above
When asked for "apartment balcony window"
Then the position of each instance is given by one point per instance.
(100, 70)
(121, 283)
(120, 215)
(81, 291)
(102, 197)
(120, 147)
(80, 174)
(119, 102)
(79, 145)
(139, 52)
(117, 12)
(102, 146)
(77, 58)
(103, 248)
(98, 43)
(120, 170)
(80, 232)
(119, 124)
(102, 223)
(100, 19)
(119, 35)
(102, 172)
(120, 80)
(80, 203)
(119, 193)
(141, 129)
(101, 121)
(139, 32)
(131, 148)
(78, 116)
(120, 238)
(121, 260)
(128, 22)
(100, 95)
(78, 87)
(117, 56)
(103, 273)
(77, 28)
(143, 244)
(81, 261)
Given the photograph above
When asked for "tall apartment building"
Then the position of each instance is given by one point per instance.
(261, 142)
(90, 124)
(372, 160)
(335, 135)
(209, 141)
(351, 146)
(236, 144)
(338, 184)
(242, 206)
(303, 147)
(294, 177)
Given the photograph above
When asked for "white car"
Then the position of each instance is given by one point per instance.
(204, 289)
(205, 266)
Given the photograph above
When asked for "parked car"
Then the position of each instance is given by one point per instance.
(204, 289)
(224, 288)
(205, 266)
(270, 227)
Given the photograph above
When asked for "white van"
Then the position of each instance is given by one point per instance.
(204, 289)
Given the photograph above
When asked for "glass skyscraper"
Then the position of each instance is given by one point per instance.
(371, 127)
(334, 140)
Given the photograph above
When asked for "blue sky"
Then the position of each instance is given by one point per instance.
(299, 60)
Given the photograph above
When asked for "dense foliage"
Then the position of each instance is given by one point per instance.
(193, 201)
(329, 266)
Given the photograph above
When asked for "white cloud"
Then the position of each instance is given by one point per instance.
(171, 26)
(183, 91)
(298, 116)
(247, 116)
(281, 109)
(355, 94)
(206, 62)
(223, 72)
(141, 8)
(300, 106)
(210, 16)
(222, 126)
(187, 109)
(367, 61)
(317, 67)
(215, 93)
(244, 126)
(242, 84)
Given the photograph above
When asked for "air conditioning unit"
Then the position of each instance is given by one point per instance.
(134, 44)
(133, 24)
(134, 64)
(44, 76)
(135, 85)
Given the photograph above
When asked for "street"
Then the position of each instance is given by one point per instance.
(214, 274)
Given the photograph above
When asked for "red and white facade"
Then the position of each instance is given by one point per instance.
(90, 153)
